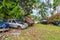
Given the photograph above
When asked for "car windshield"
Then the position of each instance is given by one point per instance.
(13, 21)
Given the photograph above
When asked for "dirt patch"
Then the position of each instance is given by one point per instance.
(12, 31)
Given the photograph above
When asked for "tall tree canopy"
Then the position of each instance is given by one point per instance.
(19, 8)
(10, 9)
(43, 9)
(27, 5)
(56, 2)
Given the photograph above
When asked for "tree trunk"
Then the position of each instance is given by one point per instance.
(5, 18)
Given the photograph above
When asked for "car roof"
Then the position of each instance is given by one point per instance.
(11, 19)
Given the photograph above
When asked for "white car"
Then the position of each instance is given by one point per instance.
(15, 24)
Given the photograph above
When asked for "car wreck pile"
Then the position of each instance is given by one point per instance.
(16, 23)
(55, 20)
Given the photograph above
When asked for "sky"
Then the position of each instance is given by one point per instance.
(35, 11)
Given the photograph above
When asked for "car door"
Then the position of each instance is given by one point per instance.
(13, 23)
(10, 23)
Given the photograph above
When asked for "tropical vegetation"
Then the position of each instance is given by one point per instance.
(20, 8)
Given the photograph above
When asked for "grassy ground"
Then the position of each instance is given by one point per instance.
(37, 32)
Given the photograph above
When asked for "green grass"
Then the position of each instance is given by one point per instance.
(38, 32)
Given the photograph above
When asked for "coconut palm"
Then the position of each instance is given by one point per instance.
(43, 9)
(56, 2)
(27, 5)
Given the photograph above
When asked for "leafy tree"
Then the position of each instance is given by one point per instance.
(43, 10)
(12, 9)
(27, 5)
(56, 2)
(9, 9)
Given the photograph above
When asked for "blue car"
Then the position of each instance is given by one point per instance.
(3, 26)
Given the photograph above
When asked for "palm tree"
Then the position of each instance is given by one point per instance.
(27, 5)
(43, 10)
(56, 2)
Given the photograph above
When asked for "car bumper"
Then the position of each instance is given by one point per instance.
(4, 29)
(23, 26)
